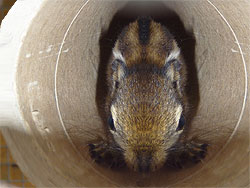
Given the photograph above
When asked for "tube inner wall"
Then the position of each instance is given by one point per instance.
(60, 89)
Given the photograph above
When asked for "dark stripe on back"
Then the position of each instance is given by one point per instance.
(144, 30)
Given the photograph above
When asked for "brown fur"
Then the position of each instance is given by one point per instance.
(147, 96)
(160, 45)
(146, 104)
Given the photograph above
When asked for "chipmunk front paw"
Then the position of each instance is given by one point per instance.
(196, 152)
(107, 155)
(185, 153)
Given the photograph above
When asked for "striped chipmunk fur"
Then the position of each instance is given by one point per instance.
(146, 105)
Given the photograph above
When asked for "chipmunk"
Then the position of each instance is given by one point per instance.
(147, 103)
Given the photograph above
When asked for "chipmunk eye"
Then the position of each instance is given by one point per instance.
(181, 123)
(111, 123)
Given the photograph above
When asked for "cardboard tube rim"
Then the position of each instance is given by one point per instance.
(44, 144)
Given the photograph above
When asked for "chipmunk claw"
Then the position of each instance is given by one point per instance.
(188, 152)
(103, 154)
(196, 152)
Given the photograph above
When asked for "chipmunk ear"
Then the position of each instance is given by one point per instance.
(172, 69)
(172, 64)
(118, 67)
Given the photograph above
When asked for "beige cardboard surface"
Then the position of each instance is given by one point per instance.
(60, 89)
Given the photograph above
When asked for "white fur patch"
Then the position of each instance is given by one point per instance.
(114, 116)
(173, 55)
(178, 113)
(113, 112)
(118, 55)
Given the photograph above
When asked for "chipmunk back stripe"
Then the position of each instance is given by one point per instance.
(144, 30)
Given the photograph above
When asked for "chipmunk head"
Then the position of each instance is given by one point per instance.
(146, 104)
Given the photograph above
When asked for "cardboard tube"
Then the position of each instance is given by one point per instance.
(53, 59)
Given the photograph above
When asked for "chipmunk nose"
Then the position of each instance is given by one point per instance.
(144, 163)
